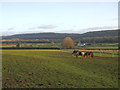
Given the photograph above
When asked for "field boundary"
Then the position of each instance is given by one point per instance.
(49, 48)
(28, 48)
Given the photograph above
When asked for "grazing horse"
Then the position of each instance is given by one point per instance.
(79, 54)
(74, 52)
(91, 54)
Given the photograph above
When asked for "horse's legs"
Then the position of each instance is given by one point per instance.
(80, 56)
(76, 56)
(92, 56)
(84, 56)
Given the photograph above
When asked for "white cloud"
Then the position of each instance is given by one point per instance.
(102, 28)
(59, 0)
(80, 31)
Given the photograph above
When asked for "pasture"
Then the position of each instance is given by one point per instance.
(57, 69)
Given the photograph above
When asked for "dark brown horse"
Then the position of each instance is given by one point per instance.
(74, 52)
(91, 54)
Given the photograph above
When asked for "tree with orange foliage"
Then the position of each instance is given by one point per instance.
(67, 43)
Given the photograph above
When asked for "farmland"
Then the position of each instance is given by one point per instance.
(58, 69)
(64, 44)
(58, 45)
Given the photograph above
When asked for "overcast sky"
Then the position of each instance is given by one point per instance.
(63, 17)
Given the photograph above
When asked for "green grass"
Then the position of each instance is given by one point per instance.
(57, 69)
(109, 44)
(96, 47)
(42, 45)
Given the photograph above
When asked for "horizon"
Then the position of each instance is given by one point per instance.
(57, 32)
(62, 17)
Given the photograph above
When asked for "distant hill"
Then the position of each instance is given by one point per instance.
(107, 36)
(101, 33)
(90, 37)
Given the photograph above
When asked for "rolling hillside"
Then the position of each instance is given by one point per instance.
(96, 36)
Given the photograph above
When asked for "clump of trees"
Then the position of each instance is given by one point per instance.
(52, 43)
(67, 43)
(18, 45)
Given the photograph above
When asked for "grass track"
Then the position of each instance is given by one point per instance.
(55, 68)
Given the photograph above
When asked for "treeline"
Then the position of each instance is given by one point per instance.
(107, 36)
(111, 39)
(8, 48)
(5, 42)
(30, 48)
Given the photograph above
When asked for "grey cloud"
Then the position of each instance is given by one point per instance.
(114, 19)
(10, 28)
(45, 27)
(65, 31)
(7, 33)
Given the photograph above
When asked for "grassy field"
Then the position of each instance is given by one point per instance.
(98, 47)
(57, 69)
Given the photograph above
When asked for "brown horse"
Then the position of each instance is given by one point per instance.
(91, 54)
